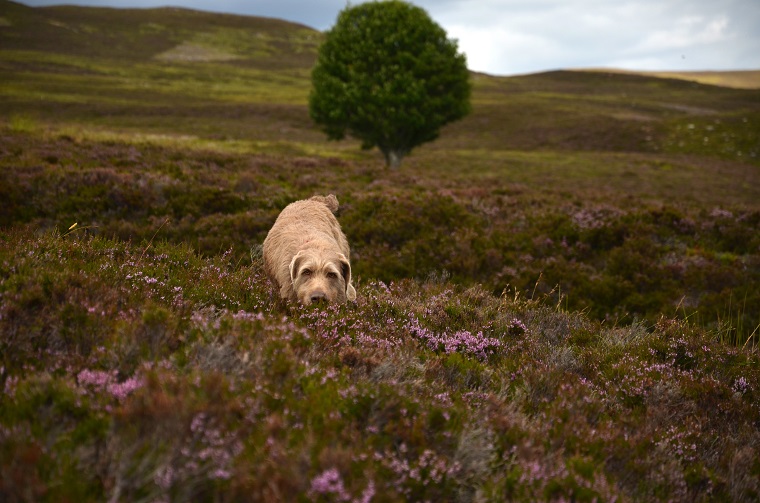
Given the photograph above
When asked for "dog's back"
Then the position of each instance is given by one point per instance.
(306, 220)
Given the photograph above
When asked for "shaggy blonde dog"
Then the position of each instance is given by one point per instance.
(306, 253)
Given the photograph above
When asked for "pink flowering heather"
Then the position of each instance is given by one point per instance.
(462, 341)
(517, 327)
(246, 316)
(164, 477)
(106, 381)
(367, 494)
(95, 378)
(217, 449)
(741, 386)
(330, 482)
(121, 390)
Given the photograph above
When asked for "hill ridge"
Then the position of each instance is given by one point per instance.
(736, 79)
(143, 34)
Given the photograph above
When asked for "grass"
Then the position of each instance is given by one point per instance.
(557, 299)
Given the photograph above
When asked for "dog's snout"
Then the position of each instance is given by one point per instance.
(318, 296)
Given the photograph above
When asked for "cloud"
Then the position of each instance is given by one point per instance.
(513, 36)
(686, 32)
(496, 48)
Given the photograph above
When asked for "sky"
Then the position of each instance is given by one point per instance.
(509, 37)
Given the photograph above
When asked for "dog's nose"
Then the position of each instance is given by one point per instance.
(318, 296)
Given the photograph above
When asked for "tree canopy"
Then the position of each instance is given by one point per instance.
(387, 75)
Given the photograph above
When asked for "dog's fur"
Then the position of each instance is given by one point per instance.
(306, 253)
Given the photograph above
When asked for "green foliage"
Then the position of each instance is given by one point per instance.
(387, 75)
(22, 124)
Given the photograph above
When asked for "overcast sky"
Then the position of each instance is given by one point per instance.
(507, 37)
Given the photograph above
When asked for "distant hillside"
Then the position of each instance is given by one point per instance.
(749, 79)
(169, 34)
(739, 79)
(172, 71)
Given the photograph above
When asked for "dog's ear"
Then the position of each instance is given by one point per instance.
(345, 269)
(295, 264)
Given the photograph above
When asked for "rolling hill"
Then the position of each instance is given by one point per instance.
(739, 79)
(557, 300)
(171, 34)
(180, 70)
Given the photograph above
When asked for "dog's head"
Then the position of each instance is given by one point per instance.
(319, 276)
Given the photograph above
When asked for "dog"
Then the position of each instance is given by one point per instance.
(306, 253)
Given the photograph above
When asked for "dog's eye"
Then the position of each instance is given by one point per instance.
(332, 275)
(306, 272)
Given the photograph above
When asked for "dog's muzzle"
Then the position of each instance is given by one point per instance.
(317, 296)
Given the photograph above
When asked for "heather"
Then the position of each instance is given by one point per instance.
(689, 251)
(151, 373)
(557, 300)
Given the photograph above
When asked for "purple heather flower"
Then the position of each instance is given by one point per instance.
(101, 380)
(95, 378)
(462, 341)
(368, 493)
(330, 482)
(164, 477)
(121, 390)
(741, 386)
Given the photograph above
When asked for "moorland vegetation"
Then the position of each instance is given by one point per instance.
(556, 300)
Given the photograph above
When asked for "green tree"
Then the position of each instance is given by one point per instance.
(387, 75)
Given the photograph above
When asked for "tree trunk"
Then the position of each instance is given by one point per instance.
(393, 158)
